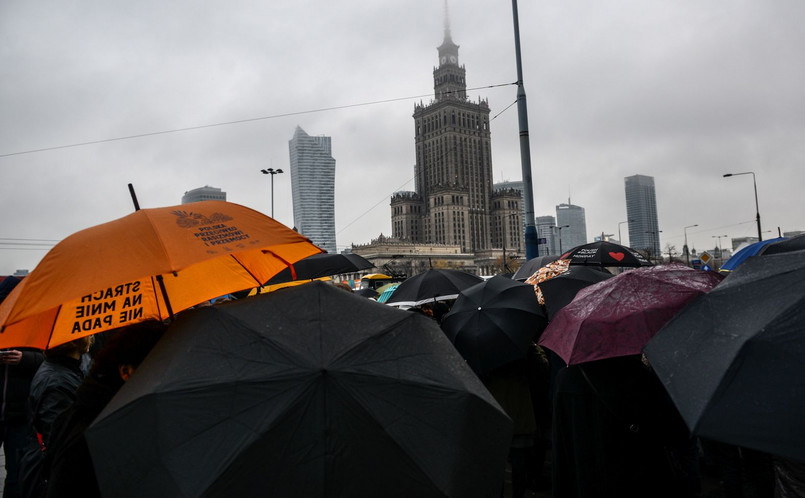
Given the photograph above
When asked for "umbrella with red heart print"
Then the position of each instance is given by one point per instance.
(603, 253)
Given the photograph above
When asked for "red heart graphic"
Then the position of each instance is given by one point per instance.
(617, 256)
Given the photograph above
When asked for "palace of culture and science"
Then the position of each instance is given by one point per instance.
(455, 217)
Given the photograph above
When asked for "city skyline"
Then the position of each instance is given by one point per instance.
(100, 96)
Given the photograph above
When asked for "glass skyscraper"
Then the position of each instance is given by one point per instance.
(313, 188)
(576, 233)
(641, 211)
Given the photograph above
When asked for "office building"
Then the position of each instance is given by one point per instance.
(313, 188)
(546, 233)
(575, 234)
(641, 211)
(454, 202)
(205, 193)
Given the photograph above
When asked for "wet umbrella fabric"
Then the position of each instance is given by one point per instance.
(747, 252)
(494, 322)
(531, 266)
(120, 272)
(368, 293)
(321, 265)
(603, 253)
(733, 360)
(560, 290)
(617, 317)
(310, 391)
(786, 245)
(432, 285)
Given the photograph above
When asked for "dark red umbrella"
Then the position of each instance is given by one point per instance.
(618, 316)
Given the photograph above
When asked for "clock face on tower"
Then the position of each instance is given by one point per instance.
(443, 59)
(453, 59)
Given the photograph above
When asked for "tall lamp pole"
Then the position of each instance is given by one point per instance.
(687, 251)
(560, 236)
(757, 208)
(531, 238)
(272, 172)
(620, 240)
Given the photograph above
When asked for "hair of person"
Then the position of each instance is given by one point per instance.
(79, 346)
(127, 346)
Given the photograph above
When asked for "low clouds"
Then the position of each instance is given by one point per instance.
(681, 91)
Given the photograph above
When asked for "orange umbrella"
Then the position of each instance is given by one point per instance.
(146, 265)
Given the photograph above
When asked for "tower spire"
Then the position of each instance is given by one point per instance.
(446, 22)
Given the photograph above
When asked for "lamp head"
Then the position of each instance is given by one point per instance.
(727, 174)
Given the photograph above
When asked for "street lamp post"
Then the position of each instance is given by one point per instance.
(620, 240)
(560, 236)
(272, 172)
(757, 208)
(719, 243)
(687, 251)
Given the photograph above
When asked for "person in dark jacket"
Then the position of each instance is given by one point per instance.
(17, 368)
(54, 386)
(68, 464)
(616, 433)
(52, 391)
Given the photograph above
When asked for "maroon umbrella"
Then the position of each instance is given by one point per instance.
(618, 316)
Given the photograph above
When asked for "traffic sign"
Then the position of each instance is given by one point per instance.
(705, 257)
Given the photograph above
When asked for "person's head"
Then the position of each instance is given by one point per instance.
(73, 349)
(125, 349)
(343, 286)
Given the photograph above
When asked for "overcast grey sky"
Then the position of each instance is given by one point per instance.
(681, 90)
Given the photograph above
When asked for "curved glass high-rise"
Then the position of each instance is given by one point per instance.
(313, 188)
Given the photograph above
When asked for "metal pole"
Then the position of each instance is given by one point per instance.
(687, 250)
(531, 238)
(757, 206)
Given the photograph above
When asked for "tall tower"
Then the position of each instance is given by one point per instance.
(576, 233)
(453, 170)
(313, 187)
(641, 211)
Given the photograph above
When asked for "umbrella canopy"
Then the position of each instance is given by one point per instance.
(386, 291)
(531, 266)
(432, 285)
(747, 252)
(311, 392)
(604, 253)
(321, 265)
(616, 317)
(733, 360)
(560, 290)
(786, 245)
(120, 272)
(494, 322)
(368, 293)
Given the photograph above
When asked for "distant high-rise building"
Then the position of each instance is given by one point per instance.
(641, 211)
(546, 232)
(576, 233)
(205, 193)
(313, 188)
(454, 199)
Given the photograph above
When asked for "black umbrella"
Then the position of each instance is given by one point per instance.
(732, 360)
(604, 253)
(793, 244)
(432, 285)
(321, 265)
(560, 290)
(494, 322)
(531, 266)
(367, 292)
(309, 391)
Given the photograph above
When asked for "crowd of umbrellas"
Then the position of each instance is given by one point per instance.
(312, 391)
